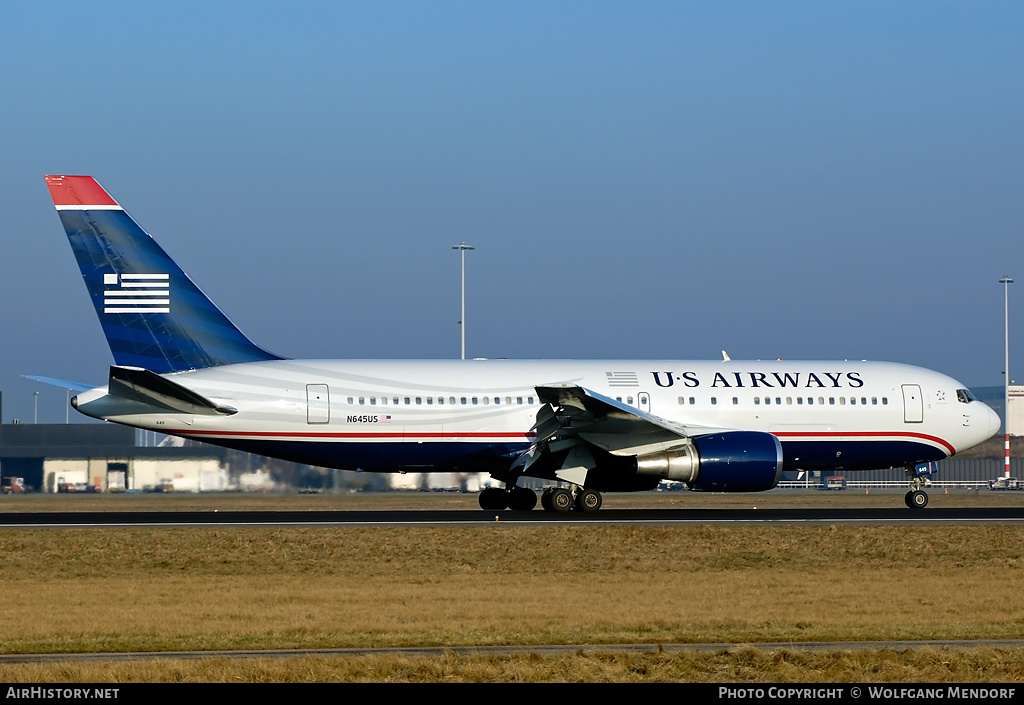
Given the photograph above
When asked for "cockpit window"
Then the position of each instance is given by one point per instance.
(964, 396)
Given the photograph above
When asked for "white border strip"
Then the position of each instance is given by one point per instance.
(89, 208)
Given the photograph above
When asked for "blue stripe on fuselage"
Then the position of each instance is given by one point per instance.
(458, 456)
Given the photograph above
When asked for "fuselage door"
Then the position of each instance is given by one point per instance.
(913, 404)
(318, 404)
(643, 401)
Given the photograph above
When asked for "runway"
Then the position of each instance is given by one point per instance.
(992, 515)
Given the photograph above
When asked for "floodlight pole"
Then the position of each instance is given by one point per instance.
(462, 247)
(1006, 281)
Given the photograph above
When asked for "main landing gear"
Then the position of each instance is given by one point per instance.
(562, 499)
(553, 499)
(515, 498)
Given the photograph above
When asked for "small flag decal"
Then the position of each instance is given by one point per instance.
(136, 293)
(622, 379)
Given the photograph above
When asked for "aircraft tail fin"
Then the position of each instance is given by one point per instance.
(153, 315)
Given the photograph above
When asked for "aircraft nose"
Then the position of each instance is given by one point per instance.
(994, 422)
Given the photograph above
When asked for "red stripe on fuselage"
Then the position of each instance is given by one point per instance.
(366, 434)
(791, 435)
(794, 435)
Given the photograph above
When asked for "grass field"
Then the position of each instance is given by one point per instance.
(74, 590)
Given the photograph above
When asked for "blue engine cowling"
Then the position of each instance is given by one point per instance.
(737, 461)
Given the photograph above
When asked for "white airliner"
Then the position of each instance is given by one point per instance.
(182, 368)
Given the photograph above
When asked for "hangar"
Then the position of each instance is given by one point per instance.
(104, 457)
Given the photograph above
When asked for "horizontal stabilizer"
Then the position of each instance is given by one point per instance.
(62, 383)
(141, 385)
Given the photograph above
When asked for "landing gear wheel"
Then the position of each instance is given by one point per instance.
(917, 499)
(560, 500)
(493, 499)
(521, 499)
(588, 500)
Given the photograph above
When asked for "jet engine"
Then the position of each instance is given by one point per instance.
(730, 461)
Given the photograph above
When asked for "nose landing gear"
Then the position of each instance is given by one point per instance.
(916, 498)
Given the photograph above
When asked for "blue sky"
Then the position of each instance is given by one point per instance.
(640, 180)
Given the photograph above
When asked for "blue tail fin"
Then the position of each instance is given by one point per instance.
(154, 317)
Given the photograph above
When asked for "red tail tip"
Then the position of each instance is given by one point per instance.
(77, 191)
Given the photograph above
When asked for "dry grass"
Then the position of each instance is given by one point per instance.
(81, 590)
(166, 589)
(742, 665)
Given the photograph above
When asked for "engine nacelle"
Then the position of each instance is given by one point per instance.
(730, 461)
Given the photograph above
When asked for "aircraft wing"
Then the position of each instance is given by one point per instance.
(580, 420)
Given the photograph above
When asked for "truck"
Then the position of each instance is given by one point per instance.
(13, 485)
(833, 482)
(1005, 483)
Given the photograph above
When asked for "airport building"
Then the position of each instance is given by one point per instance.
(105, 457)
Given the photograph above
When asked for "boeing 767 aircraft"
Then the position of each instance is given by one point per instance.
(182, 368)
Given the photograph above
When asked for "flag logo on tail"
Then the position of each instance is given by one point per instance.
(136, 293)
